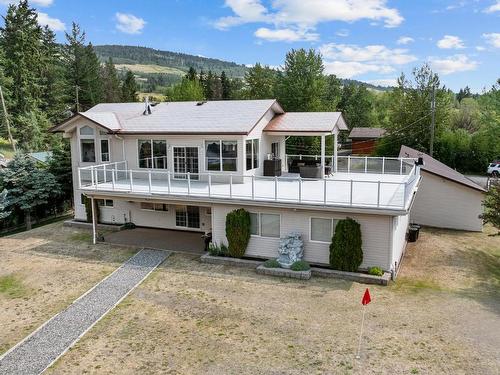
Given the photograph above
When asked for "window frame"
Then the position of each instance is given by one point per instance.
(104, 203)
(259, 224)
(185, 209)
(164, 205)
(254, 156)
(220, 157)
(151, 160)
(109, 150)
(332, 220)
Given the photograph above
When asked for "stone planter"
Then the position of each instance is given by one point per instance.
(284, 272)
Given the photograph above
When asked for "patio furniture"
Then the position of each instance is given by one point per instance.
(310, 171)
(272, 167)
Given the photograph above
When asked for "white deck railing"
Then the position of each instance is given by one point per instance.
(389, 190)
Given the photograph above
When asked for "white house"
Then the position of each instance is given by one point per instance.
(185, 165)
(446, 198)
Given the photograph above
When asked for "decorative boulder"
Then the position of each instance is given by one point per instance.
(291, 249)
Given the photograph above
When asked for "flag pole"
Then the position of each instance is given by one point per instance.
(361, 333)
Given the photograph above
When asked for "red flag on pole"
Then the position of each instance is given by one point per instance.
(366, 297)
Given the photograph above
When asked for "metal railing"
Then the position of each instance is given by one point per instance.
(361, 164)
(362, 192)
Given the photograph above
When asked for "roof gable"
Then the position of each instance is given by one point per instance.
(307, 122)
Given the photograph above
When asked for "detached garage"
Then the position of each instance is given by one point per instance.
(445, 197)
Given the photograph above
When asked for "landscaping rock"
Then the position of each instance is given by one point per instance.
(228, 261)
(284, 272)
(352, 276)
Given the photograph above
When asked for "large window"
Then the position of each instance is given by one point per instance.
(152, 153)
(252, 151)
(265, 225)
(87, 147)
(104, 202)
(148, 206)
(187, 216)
(322, 229)
(104, 150)
(221, 155)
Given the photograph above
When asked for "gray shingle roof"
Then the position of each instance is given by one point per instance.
(314, 122)
(434, 166)
(212, 117)
(367, 133)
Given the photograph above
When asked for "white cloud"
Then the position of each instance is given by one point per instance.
(306, 14)
(347, 60)
(493, 8)
(54, 24)
(129, 24)
(342, 33)
(285, 35)
(42, 3)
(493, 39)
(405, 40)
(450, 42)
(453, 64)
(480, 48)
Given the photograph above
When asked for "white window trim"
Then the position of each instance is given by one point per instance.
(104, 205)
(310, 228)
(153, 210)
(79, 143)
(221, 169)
(173, 160)
(152, 153)
(109, 149)
(260, 224)
(187, 219)
(252, 153)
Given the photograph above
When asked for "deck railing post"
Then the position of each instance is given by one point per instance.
(92, 176)
(169, 184)
(324, 191)
(400, 166)
(404, 194)
(79, 178)
(350, 195)
(189, 182)
(209, 184)
(231, 185)
(383, 165)
(366, 163)
(104, 173)
(149, 181)
(113, 180)
(349, 164)
(378, 194)
(300, 189)
(300, 157)
(96, 178)
(253, 187)
(275, 188)
(131, 181)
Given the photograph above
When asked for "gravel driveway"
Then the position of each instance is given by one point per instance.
(39, 350)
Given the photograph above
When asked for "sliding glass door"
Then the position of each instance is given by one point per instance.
(185, 160)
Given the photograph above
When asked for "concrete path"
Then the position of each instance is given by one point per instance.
(43, 347)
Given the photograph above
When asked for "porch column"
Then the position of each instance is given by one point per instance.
(323, 156)
(94, 234)
(335, 152)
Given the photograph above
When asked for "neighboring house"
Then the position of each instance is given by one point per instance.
(364, 140)
(185, 165)
(40, 157)
(445, 198)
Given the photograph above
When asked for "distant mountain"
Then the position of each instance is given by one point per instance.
(156, 69)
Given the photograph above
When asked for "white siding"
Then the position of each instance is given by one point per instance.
(445, 204)
(376, 232)
(400, 227)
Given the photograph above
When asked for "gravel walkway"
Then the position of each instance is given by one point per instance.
(39, 350)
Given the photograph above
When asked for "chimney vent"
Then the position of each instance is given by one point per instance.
(147, 109)
(201, 103)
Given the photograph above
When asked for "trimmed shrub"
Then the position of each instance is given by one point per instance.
(216, 250)
(376, 271)
(300, 265)
(271, 263)
(237, 232)
(346, 253)
(88, 209)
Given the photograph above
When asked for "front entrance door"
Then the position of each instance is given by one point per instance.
(186, 160)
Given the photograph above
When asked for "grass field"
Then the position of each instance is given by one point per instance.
(440, 317)
(150, 68)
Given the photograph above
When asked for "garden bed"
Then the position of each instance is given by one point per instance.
(85, 225)
(229, 261)
(352, 276)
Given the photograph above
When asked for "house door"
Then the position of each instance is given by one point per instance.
(186, 160)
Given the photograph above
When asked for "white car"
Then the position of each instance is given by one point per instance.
(494, 169)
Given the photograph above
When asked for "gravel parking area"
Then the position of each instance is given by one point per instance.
(39, 350)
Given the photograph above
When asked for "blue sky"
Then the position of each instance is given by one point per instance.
(368, 40)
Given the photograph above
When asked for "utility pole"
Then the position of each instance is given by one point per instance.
(11, 140)
(77, 88)
(433, 119)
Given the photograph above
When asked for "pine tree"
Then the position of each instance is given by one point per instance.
(191, 74)
(111, 82)
(225, 86)
(261, 82)
(129, 88)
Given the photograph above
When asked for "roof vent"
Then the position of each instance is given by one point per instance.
(201, 103)
(147, 109)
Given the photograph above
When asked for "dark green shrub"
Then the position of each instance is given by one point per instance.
(271, 263)
(238, 232)
(216, 250)
(88, 209)
(300, 265)
(376, 271)
(346, 253)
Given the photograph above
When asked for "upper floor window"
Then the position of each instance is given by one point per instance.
(252, 151)
(86, 130)
(87, 148)
(152, 153)
(221, 155)
(104, 150)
